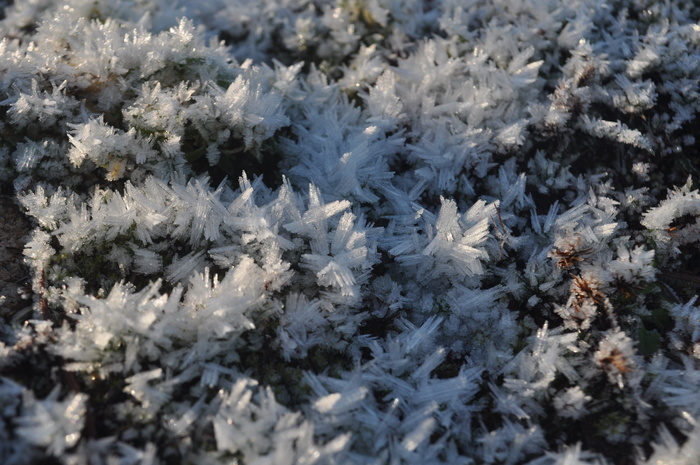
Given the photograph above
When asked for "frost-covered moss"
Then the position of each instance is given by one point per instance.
(357, 231)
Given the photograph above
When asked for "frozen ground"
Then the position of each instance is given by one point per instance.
(350, 232)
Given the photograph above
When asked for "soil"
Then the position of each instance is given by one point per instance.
(14, 275)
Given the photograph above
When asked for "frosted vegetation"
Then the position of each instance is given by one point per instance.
(353, 231)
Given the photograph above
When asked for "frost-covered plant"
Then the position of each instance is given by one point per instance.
(356, 231)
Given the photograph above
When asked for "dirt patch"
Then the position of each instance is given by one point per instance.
(14, 232)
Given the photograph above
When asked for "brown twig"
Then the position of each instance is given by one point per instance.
(687, 278)
(43, 304)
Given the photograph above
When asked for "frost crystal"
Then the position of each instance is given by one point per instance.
(349, 232)
(51, 423)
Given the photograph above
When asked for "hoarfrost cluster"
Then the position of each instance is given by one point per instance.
(352, 231)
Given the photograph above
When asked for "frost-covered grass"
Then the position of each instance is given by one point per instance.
(353, 231)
